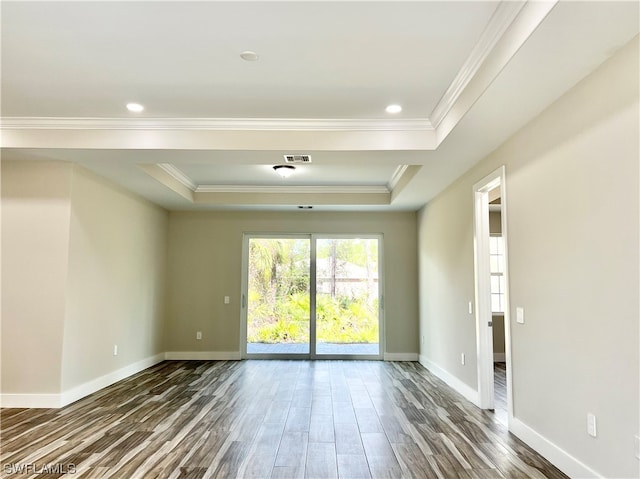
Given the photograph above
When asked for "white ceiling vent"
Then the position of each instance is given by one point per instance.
(297, 158)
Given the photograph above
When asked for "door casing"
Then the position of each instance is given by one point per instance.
(482, 281)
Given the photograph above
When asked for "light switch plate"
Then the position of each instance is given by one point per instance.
(520, 315)
(198, 334)
(226, 300)
(470, 307)
(637, 443)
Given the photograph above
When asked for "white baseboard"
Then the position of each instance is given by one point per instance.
(499, 357)
(468, 392)
(94, 385)
(564, 461)
(54, 401)
(203, 355)
(400, 356)
(46, 401)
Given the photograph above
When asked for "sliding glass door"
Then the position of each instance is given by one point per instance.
(347, 297)
(278, 296)
(308, 296)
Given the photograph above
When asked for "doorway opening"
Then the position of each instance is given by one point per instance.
(492, 295)
(308, 296)
(498, 290)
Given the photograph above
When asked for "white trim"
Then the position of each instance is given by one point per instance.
(313, 297)
(46, 401)
(244, 293)
(504, 231)
(560, 458)
(511, 25)
(482, 286)
(382, 282)
(501, 19)
(171, 173)
(467, 391)
(333, 190)
(178, 175)
(499, 357)
(78, 392)
(202, 355)
(313, 238)
(508, 29)
(401, 356)
(395, 178)
(219, 124)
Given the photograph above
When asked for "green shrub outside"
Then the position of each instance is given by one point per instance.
(340, 320)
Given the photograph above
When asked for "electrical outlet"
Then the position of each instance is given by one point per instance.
(462, 359)
(226, 300)
(520, 315)
(637, 442)
(199, 335)
(591, 425)
(115, 349)
(470, 307)
(422, 339)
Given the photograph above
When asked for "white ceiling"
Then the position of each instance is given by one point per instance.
(468, 75)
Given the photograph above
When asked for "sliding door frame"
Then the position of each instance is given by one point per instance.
(381, 335)
(313, 237)
(244, 296)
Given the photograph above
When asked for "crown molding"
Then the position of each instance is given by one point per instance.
(175, 179)
(395, 178)
(178, 175)
(502, 17)
(213, 124)
(509, 27)
(261, 189)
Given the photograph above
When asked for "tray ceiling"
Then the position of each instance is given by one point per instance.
(467, 75)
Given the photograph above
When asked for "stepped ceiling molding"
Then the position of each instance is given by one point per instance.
(69, 67)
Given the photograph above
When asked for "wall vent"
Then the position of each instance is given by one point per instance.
(297, 158)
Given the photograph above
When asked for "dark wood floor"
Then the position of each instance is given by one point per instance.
(500, 392)
(270, 419)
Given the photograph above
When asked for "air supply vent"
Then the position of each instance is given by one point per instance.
(297, 158)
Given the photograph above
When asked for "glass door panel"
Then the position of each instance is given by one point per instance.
(278, 296)
(347, 297)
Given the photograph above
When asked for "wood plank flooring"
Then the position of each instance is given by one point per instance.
(268, 419)
(500, 392)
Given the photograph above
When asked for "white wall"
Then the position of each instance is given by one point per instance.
(573, 222)
(83, 268)
(35, 238)
(115, 289)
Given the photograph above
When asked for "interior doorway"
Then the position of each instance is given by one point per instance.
(498, 290)
(492, 295)
(308, 296)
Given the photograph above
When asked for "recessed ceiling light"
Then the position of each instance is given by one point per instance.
(284, 170)
(135, 107)
(249, 56)
(393, 108)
